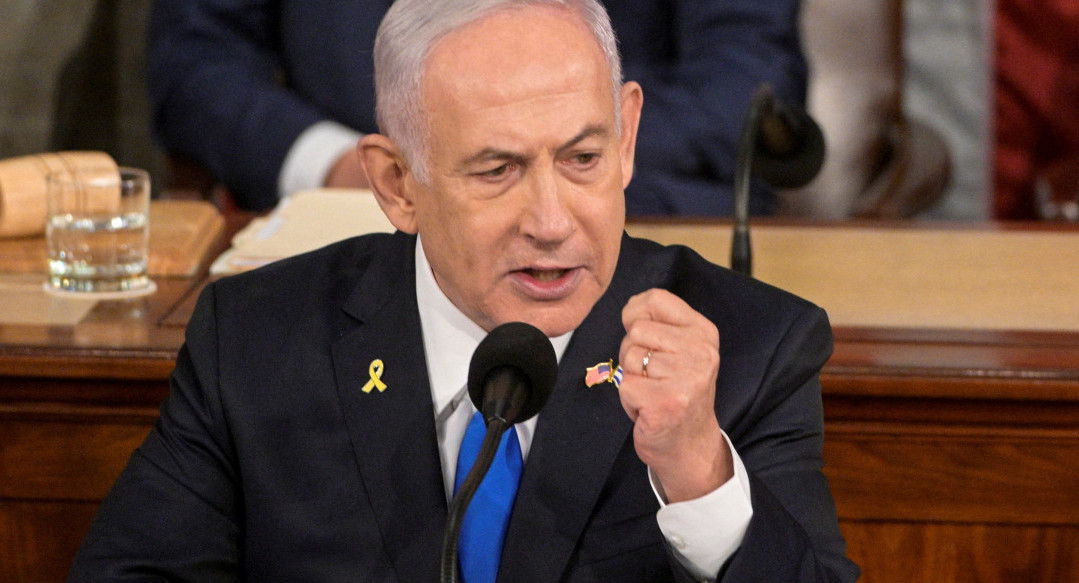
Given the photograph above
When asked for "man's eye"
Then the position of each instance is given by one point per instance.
(496, 172)
(585, 158)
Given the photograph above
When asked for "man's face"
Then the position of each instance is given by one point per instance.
(522, 217)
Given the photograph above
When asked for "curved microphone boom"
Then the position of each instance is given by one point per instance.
(784, 146)
(510, 377)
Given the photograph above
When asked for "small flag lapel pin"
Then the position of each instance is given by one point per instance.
(600, 373)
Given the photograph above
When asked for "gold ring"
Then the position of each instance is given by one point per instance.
(644, 363)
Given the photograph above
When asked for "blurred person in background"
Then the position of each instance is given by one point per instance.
(272, 97)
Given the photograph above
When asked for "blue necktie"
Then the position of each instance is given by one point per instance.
(487, 519)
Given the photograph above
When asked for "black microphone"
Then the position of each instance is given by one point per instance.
(512, 373)
(784, 146)
(510, 377)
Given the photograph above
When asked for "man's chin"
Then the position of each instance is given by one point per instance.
(554, 321)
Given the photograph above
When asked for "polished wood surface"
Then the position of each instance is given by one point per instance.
(909, 275)
(183, 236)
(74, 403)
(951, 451)
(952, 455)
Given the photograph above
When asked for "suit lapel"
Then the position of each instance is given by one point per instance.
(392, 431)
(578, 437)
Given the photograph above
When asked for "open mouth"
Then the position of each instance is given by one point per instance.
(546, 275)
(547, 283)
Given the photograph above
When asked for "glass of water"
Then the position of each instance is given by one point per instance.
(98, 231)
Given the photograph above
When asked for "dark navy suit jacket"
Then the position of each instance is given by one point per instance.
(270, 463)
(233, 83)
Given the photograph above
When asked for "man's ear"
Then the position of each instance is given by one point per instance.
(387, 171)
(631, 100)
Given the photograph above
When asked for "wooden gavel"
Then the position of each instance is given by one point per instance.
(24, 186)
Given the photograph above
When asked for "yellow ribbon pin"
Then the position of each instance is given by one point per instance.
(375, 370)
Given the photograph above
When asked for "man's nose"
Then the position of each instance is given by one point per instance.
(548, 219)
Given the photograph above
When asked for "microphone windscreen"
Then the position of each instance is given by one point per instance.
(790, 147)
(519, 346)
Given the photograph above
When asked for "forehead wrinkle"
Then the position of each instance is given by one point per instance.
(547, 95)
(463, 58)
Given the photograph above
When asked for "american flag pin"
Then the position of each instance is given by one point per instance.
(600, 373)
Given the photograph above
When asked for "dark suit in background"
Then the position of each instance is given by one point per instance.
(234, 83)
(270, 463)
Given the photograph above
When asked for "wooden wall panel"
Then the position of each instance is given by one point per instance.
(953, 473)
(53, 460)
(893, 552)
(38, 539)
(56, 465)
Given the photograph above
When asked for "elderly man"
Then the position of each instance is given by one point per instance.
(509, 138)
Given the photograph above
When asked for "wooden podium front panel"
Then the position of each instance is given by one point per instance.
(967, 506)
(77, 397)
(54, 472)
(952, 455)
(950, 552)
(75, 401)
(63, 442)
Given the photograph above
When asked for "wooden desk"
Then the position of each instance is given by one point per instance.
(954, 456)
(75, 401)
(952, 452)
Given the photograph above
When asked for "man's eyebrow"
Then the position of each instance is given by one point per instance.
(490, 153)
(591, 130)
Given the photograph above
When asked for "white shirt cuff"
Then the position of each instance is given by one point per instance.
(706, 531)
(313, 155)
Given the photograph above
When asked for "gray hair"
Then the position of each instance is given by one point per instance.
(409, 32)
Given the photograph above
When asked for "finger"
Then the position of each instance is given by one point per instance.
(642, 326)
(671, 346)
(631, 357)
(636, 393)
(659, 336)
(659, 305)
(641, 359)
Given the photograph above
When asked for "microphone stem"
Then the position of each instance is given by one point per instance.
(496, 426)
(741, 255)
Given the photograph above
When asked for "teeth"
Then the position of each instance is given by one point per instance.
(546, 274)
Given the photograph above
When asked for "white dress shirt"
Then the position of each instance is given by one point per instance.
(312, 156)
(703, 532)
